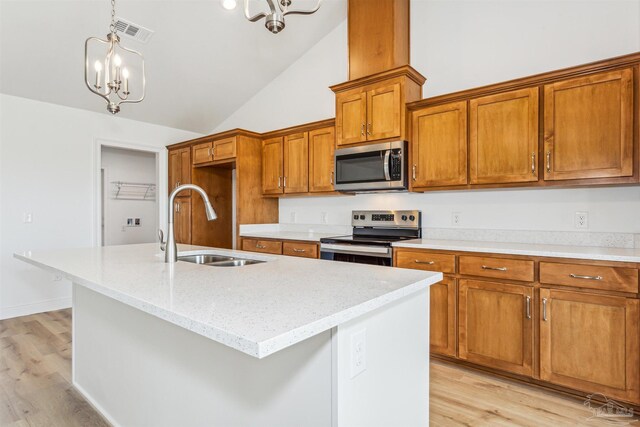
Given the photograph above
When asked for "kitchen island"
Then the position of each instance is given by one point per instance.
(286, 342)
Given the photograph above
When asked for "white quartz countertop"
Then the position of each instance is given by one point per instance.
(288, 235)
(257, 309)
(541, 250)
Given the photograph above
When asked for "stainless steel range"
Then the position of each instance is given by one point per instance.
(373, 234)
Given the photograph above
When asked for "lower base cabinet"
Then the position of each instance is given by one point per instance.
(182, 219)
(578, 320)
(442, 321)
(281, 247)
(590, 342)
(495, 325)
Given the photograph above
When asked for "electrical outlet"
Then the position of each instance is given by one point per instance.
(456, 218)
(27, 217)
(582, 220)
(294, 217)
(324, 218)
(358, 352)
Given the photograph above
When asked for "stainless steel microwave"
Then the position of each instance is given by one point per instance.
(375, 167)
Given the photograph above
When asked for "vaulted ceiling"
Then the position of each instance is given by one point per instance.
(203, 62)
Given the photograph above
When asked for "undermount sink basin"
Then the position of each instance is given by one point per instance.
(218, 260)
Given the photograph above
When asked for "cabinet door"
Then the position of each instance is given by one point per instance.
(504, 137)
(322, 144)
(272, 170)
(495, 325)
(439, 144)
(588, 127)
(202, 153)
(442, 317)
(590, 342)
(351, 117)
(175, 169)
(296, 163)
(383, 112)
(224, 149)
(182, 220)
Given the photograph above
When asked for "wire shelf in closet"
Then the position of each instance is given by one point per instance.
(133, 191)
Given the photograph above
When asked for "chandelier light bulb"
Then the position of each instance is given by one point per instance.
(98, 66)
(229, 4)
(117, 61)
(125, 73)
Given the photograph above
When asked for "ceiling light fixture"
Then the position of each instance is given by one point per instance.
(274, 21)
(116, 89)
(229, 4)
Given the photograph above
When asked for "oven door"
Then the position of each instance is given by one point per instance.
(371, 167)
(359, 254)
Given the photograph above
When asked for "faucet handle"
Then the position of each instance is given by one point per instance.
(163, 244)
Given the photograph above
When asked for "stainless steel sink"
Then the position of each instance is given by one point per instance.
(218, 260)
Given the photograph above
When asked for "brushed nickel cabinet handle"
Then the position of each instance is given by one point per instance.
(413, 173)
(284, 182)
(579, 276)
(424, 262)
(486, 267)
(177, 184)
(299, 250)
(175, 208)
(362, 130)
(331, 178)
(548, 161)
(259, 246)
(279, 182)
(544, 309)
(528, 302)
(533, 163)
(209, 152)
(369, 128)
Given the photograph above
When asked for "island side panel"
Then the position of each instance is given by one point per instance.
(393, 390)
(143, 371)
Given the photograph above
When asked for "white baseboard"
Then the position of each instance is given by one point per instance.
(36, 307)
(95, 404)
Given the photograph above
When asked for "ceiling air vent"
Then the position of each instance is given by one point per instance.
(133, 31)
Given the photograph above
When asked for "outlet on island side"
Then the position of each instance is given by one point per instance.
(358, 352)
(581, 220)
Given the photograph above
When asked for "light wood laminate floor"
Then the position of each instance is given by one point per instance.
(36, 390)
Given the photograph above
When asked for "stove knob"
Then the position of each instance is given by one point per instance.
(362, 217)
(355, 217)
(412, 218)
(404, 217)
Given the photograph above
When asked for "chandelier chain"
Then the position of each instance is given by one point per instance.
(112, 27)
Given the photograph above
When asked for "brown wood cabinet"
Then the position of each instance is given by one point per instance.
(281, 247)
(590, 342)
(296, 163)
(182, 219)
(503, 141)
(588, 127)
(300, 249)
(264, 246)
(272, 165)
(495, 325)
(180, 169)
(322, 144)
(442, 317)
(372, 108)
(439, 146)
(224, 149)
(202, 153)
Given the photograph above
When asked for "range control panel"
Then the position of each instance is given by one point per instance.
(390, 219)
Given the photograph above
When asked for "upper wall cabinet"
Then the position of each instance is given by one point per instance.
(504, 137)
(272, 166)
(296, 163)
(373, 108)
(180, 169)
(322, 143)
(439, 145)
(588, 127)
(214, 152)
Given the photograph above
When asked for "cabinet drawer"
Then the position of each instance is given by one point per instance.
(265, 246)
(419, 260)
(306, 250)
(202, 153)
(224, 149)
(500, 268)
(590, 276)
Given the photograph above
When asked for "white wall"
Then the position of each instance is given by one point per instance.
(48, 168)
(129, 166)
(459, 45)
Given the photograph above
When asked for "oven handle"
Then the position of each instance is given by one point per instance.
(356, 250)
(387, 158)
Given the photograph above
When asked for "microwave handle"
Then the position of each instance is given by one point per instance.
(387, 158)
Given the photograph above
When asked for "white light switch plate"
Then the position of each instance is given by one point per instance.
(358, 352)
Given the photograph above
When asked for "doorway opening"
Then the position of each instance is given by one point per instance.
(128, 196)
